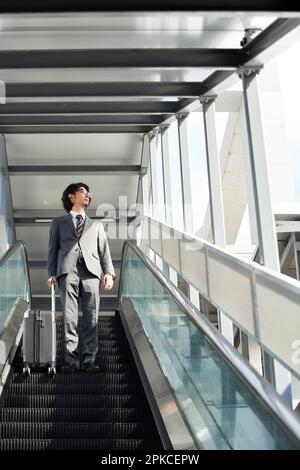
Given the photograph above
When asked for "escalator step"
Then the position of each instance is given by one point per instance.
(104, 359)
(102, 351)
(75, 388)
(75, 415)
(78, 378)
(56, 430)
(74, 401)
(107, 410)
(80, 444)
(103, 368)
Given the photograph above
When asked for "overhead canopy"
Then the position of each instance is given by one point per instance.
(82, 86)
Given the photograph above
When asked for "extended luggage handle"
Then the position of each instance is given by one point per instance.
(53, 298)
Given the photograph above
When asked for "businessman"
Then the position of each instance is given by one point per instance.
(78, 258)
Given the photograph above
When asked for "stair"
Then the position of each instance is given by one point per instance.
(106, 410)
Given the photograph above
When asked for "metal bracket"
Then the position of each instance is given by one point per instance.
(143, 171)
(248, 33)
(163, 127)
(181, 115)
(249, 71)
(153, 133)
(207, 100)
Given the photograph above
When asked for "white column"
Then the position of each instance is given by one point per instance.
(214, 171)
(145, 167)
(154, 181)
(259, 189)
(194, 296)
(158, 261)
(166, 174)
(215, 192)
(283, 381)
(3, 235)
(226, 327)
(185, 173)
(173, 276)
(255, 162)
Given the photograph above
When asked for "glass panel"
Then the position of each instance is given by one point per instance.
(13, 283)
(221, 410)
(199, 176)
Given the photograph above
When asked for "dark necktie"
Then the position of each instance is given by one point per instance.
(80, 224)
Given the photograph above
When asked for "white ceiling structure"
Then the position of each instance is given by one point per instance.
(83, 88)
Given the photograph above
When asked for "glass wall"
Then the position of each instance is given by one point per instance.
(199, 176)
(14, 283)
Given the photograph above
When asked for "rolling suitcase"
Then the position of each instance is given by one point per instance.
(39, 339)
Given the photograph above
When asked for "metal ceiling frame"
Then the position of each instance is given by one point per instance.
(142, 122)
(76, 129)
(103, 89)
(74, 169)
(85, 107)
(231, 6)
(136, 58)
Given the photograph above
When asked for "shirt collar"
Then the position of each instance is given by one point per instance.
(74, 213)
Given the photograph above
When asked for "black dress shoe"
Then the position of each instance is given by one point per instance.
(70, 368)
(90, 368)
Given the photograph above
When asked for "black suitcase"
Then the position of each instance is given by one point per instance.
(39, 339)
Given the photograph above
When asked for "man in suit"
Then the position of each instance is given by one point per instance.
(78, 257)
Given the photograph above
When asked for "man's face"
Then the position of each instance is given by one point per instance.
(82, 197)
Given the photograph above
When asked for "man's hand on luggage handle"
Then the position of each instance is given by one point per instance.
(108, 281)
(52, 280)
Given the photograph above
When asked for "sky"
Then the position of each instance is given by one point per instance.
(289, 72)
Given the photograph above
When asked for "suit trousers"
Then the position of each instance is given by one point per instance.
(80, 283)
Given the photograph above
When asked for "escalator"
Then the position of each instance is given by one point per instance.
(103, 410)
(167, 378)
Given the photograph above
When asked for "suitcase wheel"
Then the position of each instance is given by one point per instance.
(51, 370)
(26, 371)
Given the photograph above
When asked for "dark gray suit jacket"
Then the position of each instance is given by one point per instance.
(64, 247)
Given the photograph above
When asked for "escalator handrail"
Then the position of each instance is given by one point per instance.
(9, 253)
(257, 384)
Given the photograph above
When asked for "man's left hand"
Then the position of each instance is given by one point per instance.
(108, 281)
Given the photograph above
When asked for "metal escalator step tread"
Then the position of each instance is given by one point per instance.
(80, 444)
(75, 430)
(78, 378)
(117, 358)
(102, 320)
(103, 368)
(105, 351)
(75, 389)
(74, 401)
(80, 415)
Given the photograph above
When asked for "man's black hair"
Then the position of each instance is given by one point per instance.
(71, 189)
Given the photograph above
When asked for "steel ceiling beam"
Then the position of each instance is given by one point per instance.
(35, 6)
(76, 129)
(104, 89)
(136, 58)
(74, 169)
(82, 119)
(275, 31)
(86, 107)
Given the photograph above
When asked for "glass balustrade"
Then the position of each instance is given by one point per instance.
(222, 410)
(14, 281)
